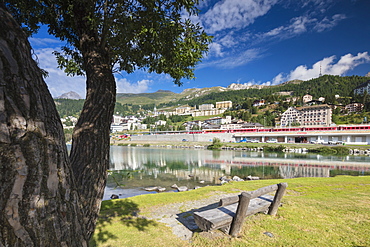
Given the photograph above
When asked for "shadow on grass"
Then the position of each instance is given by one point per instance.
(187, 218)
(119, 212)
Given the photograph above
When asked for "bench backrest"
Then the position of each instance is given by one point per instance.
(254, 194)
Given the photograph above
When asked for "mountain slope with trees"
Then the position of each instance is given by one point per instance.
(325, 86)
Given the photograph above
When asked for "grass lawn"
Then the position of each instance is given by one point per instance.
(316, 212)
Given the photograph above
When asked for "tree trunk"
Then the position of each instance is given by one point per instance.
(90, 145)
(90, 141)
(39, 203)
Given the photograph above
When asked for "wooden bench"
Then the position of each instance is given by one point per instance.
(231, 211)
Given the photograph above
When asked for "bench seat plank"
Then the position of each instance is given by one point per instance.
(222, 217)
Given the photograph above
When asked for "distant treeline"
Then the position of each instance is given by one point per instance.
(70, 107)
(326, 86)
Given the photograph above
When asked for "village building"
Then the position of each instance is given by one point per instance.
(306, 98)
(258, 102)
(183, 110)
(354, 107)
(362, 88)
(224, 105)
(315, 115)
(160, 122)
(322, 99)
(205, 107)
(215, 120)
(117, 120)
(202, 113)
(291, 117)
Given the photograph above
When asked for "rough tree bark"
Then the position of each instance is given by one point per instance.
(39, 203)
(91, 134)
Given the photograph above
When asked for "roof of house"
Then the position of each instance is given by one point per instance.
(363, 84)
(302, 108)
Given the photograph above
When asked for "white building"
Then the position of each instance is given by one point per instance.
(118, 128)
(207, 112)
(257, 103)
(354, 107)
(71, 119)
(306, 98)
(183, 110)
(315, 115)
(360, 90)
(290, 117)
(160, 122)
(205, 107)
(117, 119)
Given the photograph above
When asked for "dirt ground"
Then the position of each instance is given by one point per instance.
(179, 216)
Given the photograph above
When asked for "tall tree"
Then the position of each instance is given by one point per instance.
(103, 36)
(39, 204)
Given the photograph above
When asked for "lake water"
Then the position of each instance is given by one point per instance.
(134, 168)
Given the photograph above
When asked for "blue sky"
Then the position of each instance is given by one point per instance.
(255, 42)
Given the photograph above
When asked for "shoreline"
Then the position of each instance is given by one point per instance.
(355, 149)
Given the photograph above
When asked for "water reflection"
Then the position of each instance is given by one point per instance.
(138, 167)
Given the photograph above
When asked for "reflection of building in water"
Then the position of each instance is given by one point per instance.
(207, 175)
(136, 158)
(290, 168)
(303, 171)
(208, 166)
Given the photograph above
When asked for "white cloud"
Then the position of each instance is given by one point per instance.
(44, 42)
(234, 60)
(278, 79)
(215, 49)
(235, 14)
(228, 40)
(346, 63)
(326, 66)
(300, 25)
(124, 86)
(58, 82)
(327, 24)
(319, 6)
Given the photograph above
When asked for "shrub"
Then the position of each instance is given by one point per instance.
(122, 144)
(279, 148)
(325, 150)
(341, 150)
(216, 144)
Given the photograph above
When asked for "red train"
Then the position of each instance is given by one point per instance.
(291, 129)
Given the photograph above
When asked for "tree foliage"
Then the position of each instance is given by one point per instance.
(150, 35)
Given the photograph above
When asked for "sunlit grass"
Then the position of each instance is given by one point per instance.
(315, 212)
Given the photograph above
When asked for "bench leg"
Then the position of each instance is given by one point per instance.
(241, 211)
(277, 199)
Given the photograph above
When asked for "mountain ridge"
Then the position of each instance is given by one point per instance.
(69, 95)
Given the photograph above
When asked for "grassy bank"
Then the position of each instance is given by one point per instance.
(269, 147)
(316, 212)
(232, 144)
